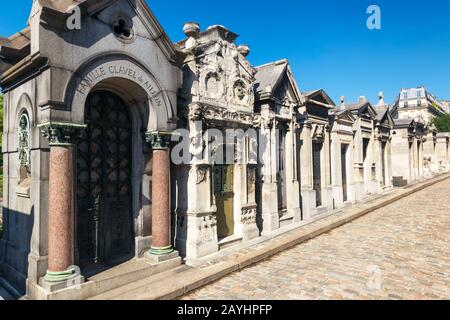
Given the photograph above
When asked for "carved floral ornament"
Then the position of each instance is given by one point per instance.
(159, 140)
(60, 133)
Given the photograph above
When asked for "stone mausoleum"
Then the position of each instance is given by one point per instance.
(93, 196)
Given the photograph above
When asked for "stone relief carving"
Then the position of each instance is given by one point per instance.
(253, 151)
(24, 149)
(248, 216)
(206, 229)
(195, 112)
(202, 173)
(222, 114)
(226, 77)
(318, 132)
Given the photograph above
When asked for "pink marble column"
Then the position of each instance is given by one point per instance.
(60, 254)
(161, 244)
(61, 137)
(160, 201)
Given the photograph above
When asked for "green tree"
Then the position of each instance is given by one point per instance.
(442, 123)
(1, 159)
(1, 154)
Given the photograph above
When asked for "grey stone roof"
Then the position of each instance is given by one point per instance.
(62, 5)
(310, 92)
(403, 122)
(354, 106)
(269, 75)
(381, 111)
(17, 41)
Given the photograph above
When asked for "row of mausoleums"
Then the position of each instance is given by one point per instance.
(89, 181)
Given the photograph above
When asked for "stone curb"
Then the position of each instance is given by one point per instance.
(195, 278)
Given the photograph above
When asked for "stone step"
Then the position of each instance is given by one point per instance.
(117, 277)
(123, 291)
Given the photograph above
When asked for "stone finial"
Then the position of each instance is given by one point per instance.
(192, 31)
(362, 99)
(381, 99)
(244, 50)
(342, 101)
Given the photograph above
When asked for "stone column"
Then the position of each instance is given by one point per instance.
(61, 138)
(162, 248)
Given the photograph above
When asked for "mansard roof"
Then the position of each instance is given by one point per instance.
(269, 78)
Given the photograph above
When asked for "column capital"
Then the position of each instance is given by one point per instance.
(159, 140)
(61, 133)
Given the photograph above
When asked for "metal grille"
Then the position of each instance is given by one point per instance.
(104, 181)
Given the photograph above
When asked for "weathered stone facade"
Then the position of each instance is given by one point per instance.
(91, 143)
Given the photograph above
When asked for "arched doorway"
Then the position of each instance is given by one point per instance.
(105, 233)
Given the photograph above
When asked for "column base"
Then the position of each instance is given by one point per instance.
(55, 281)
(161, 258)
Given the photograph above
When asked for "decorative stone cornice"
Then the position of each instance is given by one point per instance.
(159, 140)
(219, 114)
(61, 133)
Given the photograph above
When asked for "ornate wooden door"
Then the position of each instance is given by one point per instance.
(383, 162)
(224, 193)
(104, 215)
(281, 175)
(317, 174)
(344, 149)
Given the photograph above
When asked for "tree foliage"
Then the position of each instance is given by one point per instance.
(442, 123)
(1, 160)
(1, 137)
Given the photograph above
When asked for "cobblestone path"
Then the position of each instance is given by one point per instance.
(399, 252)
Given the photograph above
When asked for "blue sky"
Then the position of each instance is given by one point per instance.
(326, 41)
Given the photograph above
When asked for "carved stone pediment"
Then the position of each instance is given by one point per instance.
(221, 74)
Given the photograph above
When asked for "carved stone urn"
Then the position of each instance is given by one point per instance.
(191, 29)
(244, 50)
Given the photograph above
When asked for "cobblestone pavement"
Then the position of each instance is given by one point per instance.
(399, 252)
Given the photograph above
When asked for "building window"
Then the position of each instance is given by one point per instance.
(406, 104)
(24, 149)
(419, 103)
(405, 95)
